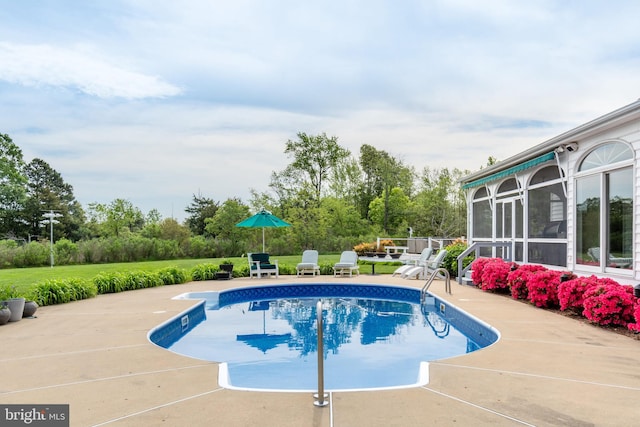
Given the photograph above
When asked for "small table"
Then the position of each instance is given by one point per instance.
(374, 260)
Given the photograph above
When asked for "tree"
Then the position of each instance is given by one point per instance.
(382, 173)
(223, 226)
(343, 221)
(47, 190)
(200, 209)
(118, 217)
(170, 229)
(13, 190)
(287, 185)
(315, 156)
(440, 207)
(390, 211)
(346, 181)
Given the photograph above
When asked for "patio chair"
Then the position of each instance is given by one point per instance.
(611, 261)
(424, 258)
(421, 271)
(260, 265)
(348, 263)
(309, 263)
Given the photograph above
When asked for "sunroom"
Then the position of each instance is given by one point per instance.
(568, 203)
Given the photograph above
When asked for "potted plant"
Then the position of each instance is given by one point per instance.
(14, 301)
(226, 265)
(16, 305)
(226, 270)
(5, 313)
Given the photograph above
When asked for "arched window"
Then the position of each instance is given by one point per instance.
(605, 155)
(549, 173)
(604, 208)
(508, 186)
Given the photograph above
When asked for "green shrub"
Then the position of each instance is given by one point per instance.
(326, 268)
(450, 261)
(173, 276)
(7, 292)
(141, 280)
(7, 253)
(34, 254)
(66, 252)
(108, 283)
(204, 272)
(60, 291)
(241, 270)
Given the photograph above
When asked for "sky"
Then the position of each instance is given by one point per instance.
(155, 101)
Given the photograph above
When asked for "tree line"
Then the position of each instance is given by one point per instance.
(333, 198)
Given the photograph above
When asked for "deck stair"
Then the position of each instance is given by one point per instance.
(466, 279)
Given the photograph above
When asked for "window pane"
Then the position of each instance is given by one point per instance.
(517, 257)
(588, 220)
(508, 185)
(519, 221)
(508, 220)
(548, 253)
(548, 212)
(482, 192)
(482, 219)
(620, 189)
(499, 220)
(605, 155)
(547, 174)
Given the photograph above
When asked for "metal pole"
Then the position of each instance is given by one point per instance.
(321, 395)
(51, 244)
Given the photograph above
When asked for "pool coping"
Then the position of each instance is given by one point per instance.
(94, 355)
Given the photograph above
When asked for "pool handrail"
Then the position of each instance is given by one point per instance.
(434, 273)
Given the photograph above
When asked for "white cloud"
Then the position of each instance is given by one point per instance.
(435, 83)
(79, 68)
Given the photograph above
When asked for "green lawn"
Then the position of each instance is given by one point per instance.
(24, 278)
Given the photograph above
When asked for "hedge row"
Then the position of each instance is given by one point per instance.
(60, 291)
(602, 301)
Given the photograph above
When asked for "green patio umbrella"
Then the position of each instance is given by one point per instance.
(263, 219)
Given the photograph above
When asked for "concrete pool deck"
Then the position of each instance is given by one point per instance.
(546, 370)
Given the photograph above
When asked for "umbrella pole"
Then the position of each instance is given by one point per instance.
(262, 239)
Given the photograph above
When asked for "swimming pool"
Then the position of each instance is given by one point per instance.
(374, 336)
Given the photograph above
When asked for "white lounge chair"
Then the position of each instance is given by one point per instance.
(348, 263)
(424, 258)
(309, 263)
(421, 271)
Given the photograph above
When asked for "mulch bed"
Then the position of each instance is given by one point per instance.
(620, 330)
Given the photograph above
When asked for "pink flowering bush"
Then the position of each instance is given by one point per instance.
(571, 292)
(478, 268)
(494, 275)
(543, 288)
(517, 279)
(636, 314)
(609, 303)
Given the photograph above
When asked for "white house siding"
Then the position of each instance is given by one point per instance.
(622, 125)
(630, 134)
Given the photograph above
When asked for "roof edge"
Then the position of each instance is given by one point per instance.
(621, 114)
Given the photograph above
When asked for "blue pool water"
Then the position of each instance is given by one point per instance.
(374, 336)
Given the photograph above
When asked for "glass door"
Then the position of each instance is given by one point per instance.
(509, 227)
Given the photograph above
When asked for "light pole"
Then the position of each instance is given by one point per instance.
(50, 217)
